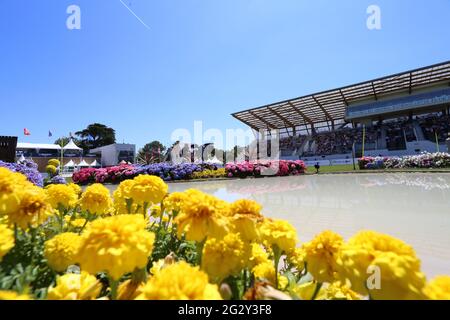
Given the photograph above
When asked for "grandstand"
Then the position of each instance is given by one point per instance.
(401, 114)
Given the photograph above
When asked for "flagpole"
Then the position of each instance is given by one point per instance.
(62, 155)
(364, 139)
(437, 141)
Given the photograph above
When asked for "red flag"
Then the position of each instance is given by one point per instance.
(26, 132)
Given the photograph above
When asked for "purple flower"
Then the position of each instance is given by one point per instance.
(27, 168)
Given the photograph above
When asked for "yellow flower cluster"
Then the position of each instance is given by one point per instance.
(75, 287)
(62, 196)
(393, 260)
(139, 194)
(96, 200)
(25, 204)
(172, 203)
(50, 169)
(118, 245)
(6, 240)
(33, 208)
(245, 216)
(12, 295)
(230, 249)
(179, 281)
(321, 255)
(123, 200)
(54, 162)
(61, 250)
(212, 244)
(202, 216)
(438, 288)
(75, 188)
(208, 174)
(279, 233)
(148, 190)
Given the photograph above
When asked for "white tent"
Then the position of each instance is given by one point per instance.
(95, 164)
(83, 164)
(71, 146)
(70, 164)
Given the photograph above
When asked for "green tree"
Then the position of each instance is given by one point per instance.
(96, 135)
(152, 152)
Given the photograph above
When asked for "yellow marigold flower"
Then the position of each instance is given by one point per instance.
(306, 291)
(50, 169)
(60, 195)
(54, 162)
(123, 202)
(162, 263)
(96, 200)
(61, 250)
(202, 216)
(258, 255)
(33, 208)
(12, 295)
(297, 259)
(245, 214)
(155, 211)
(398, 265)
(247, 208)
(180, 281)
(157, 266)
(117, 245)
(321, 254)
(75, 287)
(148, 190)
(76, 223)
(266, 271)
(6, 240)
(438, 288)
(225, 257)
(338, 291)
(10, 184)
(75, 188)
(174, 201)
(280, 233)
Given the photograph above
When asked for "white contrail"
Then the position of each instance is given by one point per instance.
(134, 14)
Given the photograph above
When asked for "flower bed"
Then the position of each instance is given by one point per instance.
(210, 174)
(117, 174)
(146, 244)
(28, 168)
(265, 168)
(422, 161)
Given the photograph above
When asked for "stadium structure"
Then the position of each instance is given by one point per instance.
(401, 114)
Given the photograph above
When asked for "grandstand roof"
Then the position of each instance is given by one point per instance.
(331, 105)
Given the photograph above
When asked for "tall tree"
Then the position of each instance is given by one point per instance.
(152, 152)
(96, 135)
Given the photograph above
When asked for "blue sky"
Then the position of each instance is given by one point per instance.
(200, 59)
